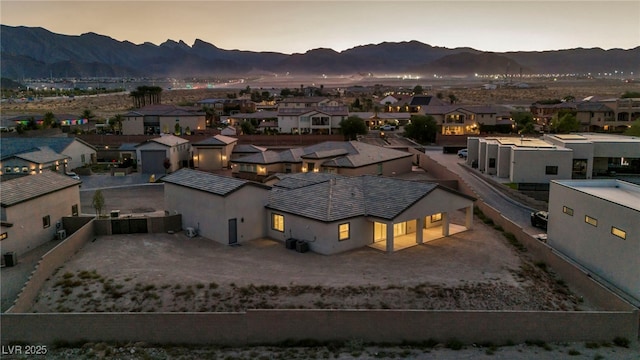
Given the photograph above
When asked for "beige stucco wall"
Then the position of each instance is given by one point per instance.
(437, 201)
(529, 165)
(209, 159)
(75, 151)
(210, 213)
(168, 123)
(594, 247)
(389, 168)
(27, 231)
(323, 238)
(133, 126)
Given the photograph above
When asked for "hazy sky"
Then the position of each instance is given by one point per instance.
(301, 25)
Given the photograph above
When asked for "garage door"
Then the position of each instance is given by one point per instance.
(152, 161)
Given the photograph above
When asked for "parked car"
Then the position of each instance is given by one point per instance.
(462, 153)
(73, 175)
(539, 219)
(388, 128)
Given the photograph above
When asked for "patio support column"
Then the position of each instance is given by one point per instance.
(468, 223)
(445, 224)
(390, 237)
(419, 230)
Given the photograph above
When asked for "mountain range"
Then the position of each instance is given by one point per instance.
(34, 52)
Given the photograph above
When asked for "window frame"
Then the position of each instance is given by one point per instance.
(567, 210)
(274, 222)
(551, 170)
(46, 221)
(623, 234)
(74, 210)
(435, 217)
(591, 220)
(341, 231)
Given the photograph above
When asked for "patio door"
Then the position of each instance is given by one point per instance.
(233, 231)
(379, 232)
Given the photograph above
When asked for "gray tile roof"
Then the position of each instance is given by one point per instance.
(41, 155)
(167, 140)
(298, 180)
(346, 154)
(13, 146)
(29, 187)
(218, 140)
(338, 197)
(247, 149)
(200, 180)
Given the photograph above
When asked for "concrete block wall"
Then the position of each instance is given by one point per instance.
(48, 265)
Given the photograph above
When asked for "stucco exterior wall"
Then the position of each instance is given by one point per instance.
(168, 123)
(503, 162)
(79, 153)
(528, 165)
(133, 126)
(595, 247)
(323, 238)
(210, 213)
(389, 168)
(583, 151)
(27, 231)
(491, 156)
(209, 159)
(435, 202)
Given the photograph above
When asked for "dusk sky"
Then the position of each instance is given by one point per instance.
(299, 26)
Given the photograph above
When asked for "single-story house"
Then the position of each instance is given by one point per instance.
(164, 154)
(350, 158)
(331, 213)
(32, 208)
(221, 208)
(34, 154)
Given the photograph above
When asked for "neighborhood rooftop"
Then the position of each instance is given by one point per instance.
(12, 146)
(211, 183)
(340, 197)
(615, 191)
(338, 154)
(21, 189)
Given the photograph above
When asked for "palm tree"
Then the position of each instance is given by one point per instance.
(48, 120)
(87, 115)
(116, 122)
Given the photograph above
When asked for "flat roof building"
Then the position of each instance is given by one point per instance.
(596, 223)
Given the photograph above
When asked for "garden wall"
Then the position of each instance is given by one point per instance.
(276, 326)
(48, 264)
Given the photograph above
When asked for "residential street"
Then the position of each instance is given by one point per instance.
(511, 209)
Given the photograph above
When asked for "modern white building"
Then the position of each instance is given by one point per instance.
(554, 157)
(596, 223)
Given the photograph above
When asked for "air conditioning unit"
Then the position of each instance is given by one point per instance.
(191, 232)
(61, 234)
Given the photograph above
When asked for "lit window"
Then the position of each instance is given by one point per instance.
(436, 217)
(344, 231)
(277, 222)
(3, 236)
(46, 221)
(551, 170)
(591, 221)
(619, 233)
(567, 210)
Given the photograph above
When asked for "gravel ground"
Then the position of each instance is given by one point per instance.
(345, 351)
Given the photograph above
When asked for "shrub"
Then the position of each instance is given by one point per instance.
(621, 341)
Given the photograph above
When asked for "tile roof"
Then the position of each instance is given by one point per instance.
(29, 187)
(220, 140)
(246, 149)
(166, 139)
(200, 180)
(425, 100)
(339, 197)
(345, 153)
(13, 146)
(41, 155)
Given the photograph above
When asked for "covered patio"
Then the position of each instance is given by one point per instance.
(396, 236)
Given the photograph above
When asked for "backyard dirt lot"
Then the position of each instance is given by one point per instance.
(472, 270)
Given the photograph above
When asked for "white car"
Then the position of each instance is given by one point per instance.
(73, 175)
(462, 153)
(388, 128)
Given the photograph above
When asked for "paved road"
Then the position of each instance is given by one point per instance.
(511, 209)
